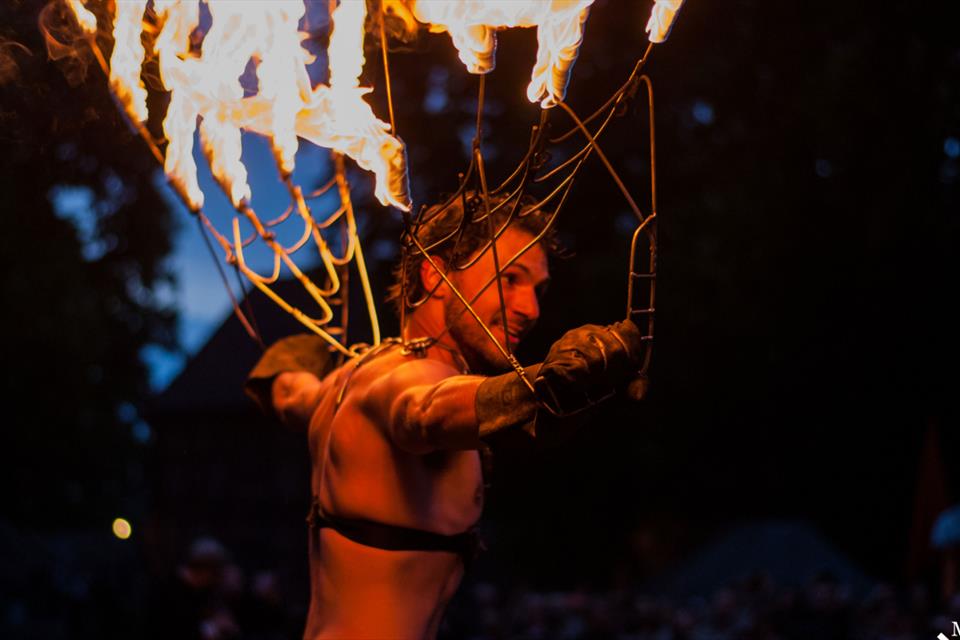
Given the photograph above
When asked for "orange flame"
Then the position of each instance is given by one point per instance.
(127, 58)
(336, 116)
(473, 24)
(205, 83)
(207, 98)
(86, 19)
(661, 19)
(359, 133)
(205, 87)
(172, 44)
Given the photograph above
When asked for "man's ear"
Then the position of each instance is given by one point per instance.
(431, 280)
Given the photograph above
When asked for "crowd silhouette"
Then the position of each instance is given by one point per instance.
(209, 597)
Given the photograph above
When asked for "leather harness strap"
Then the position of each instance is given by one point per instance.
(395, 538)
(386, 536)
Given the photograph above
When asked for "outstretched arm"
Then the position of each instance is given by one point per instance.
(286, 382)
(294, 396)
(424, 405)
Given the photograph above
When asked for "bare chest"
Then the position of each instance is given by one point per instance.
(358, 472)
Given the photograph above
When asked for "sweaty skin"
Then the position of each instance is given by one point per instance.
(401, 449)
(396, 451)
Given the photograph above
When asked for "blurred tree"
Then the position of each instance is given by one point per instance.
(82, 276)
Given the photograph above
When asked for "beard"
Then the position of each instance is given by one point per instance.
(481, 355)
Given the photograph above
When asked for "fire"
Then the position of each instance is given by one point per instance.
(173, 50)
(204, 86)
(203, 48)
(473, 26)
(85, 18)
(206, 94)
(127, 58)
(661, 19)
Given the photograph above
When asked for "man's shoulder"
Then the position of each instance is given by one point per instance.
(392, 372)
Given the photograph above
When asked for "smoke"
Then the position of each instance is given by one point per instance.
(9, 69)
(65, 41)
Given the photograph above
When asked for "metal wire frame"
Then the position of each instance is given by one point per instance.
(336, 268)
(646, 277)
(516, 184)
(528, 172)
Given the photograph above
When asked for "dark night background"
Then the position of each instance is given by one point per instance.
(809, 219)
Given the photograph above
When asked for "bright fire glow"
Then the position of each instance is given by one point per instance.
(127, 58)
(122, 528)
(661, 19)
(361, 135)
(203, 49)
(86, 19)
(206, 93)
(473, 25)
(173, 53)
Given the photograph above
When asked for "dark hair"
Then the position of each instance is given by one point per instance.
(445, 233)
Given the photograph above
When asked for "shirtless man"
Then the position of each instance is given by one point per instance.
(394, 435)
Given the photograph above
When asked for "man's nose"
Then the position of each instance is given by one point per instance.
(525, 303)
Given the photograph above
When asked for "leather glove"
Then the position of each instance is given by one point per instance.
(588, 364)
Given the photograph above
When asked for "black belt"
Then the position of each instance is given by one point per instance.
(393, 538)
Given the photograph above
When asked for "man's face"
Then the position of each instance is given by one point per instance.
(523, 283)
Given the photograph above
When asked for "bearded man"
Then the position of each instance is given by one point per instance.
(394, 434)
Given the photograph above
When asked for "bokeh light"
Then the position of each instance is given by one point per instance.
(122, 528)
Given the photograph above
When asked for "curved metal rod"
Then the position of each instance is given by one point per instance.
(310, 323)
(503, 227)
(386, 67)
(322, 190)
(344, 189)
(249, 325)
(467, 306)
(316, 293)
(603, 158)
(494, 235)
(307, 231)
(332, 218)
(616, 95)
(509, 199)
(564, 188)
(234, 251)
(325, 254)
(537, 238)
(465, 221)
(281, 218)
(493, 247)
(579, 157)
(238, 251)
(536, 139)
(650, 275)
(585, 150)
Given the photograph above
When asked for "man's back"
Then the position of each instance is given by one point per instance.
(362, 473)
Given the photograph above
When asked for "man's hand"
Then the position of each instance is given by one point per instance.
(302, 360)
(588, 364)
(294, 396)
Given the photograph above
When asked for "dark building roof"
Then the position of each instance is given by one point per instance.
(212, 380)
(217, 466)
